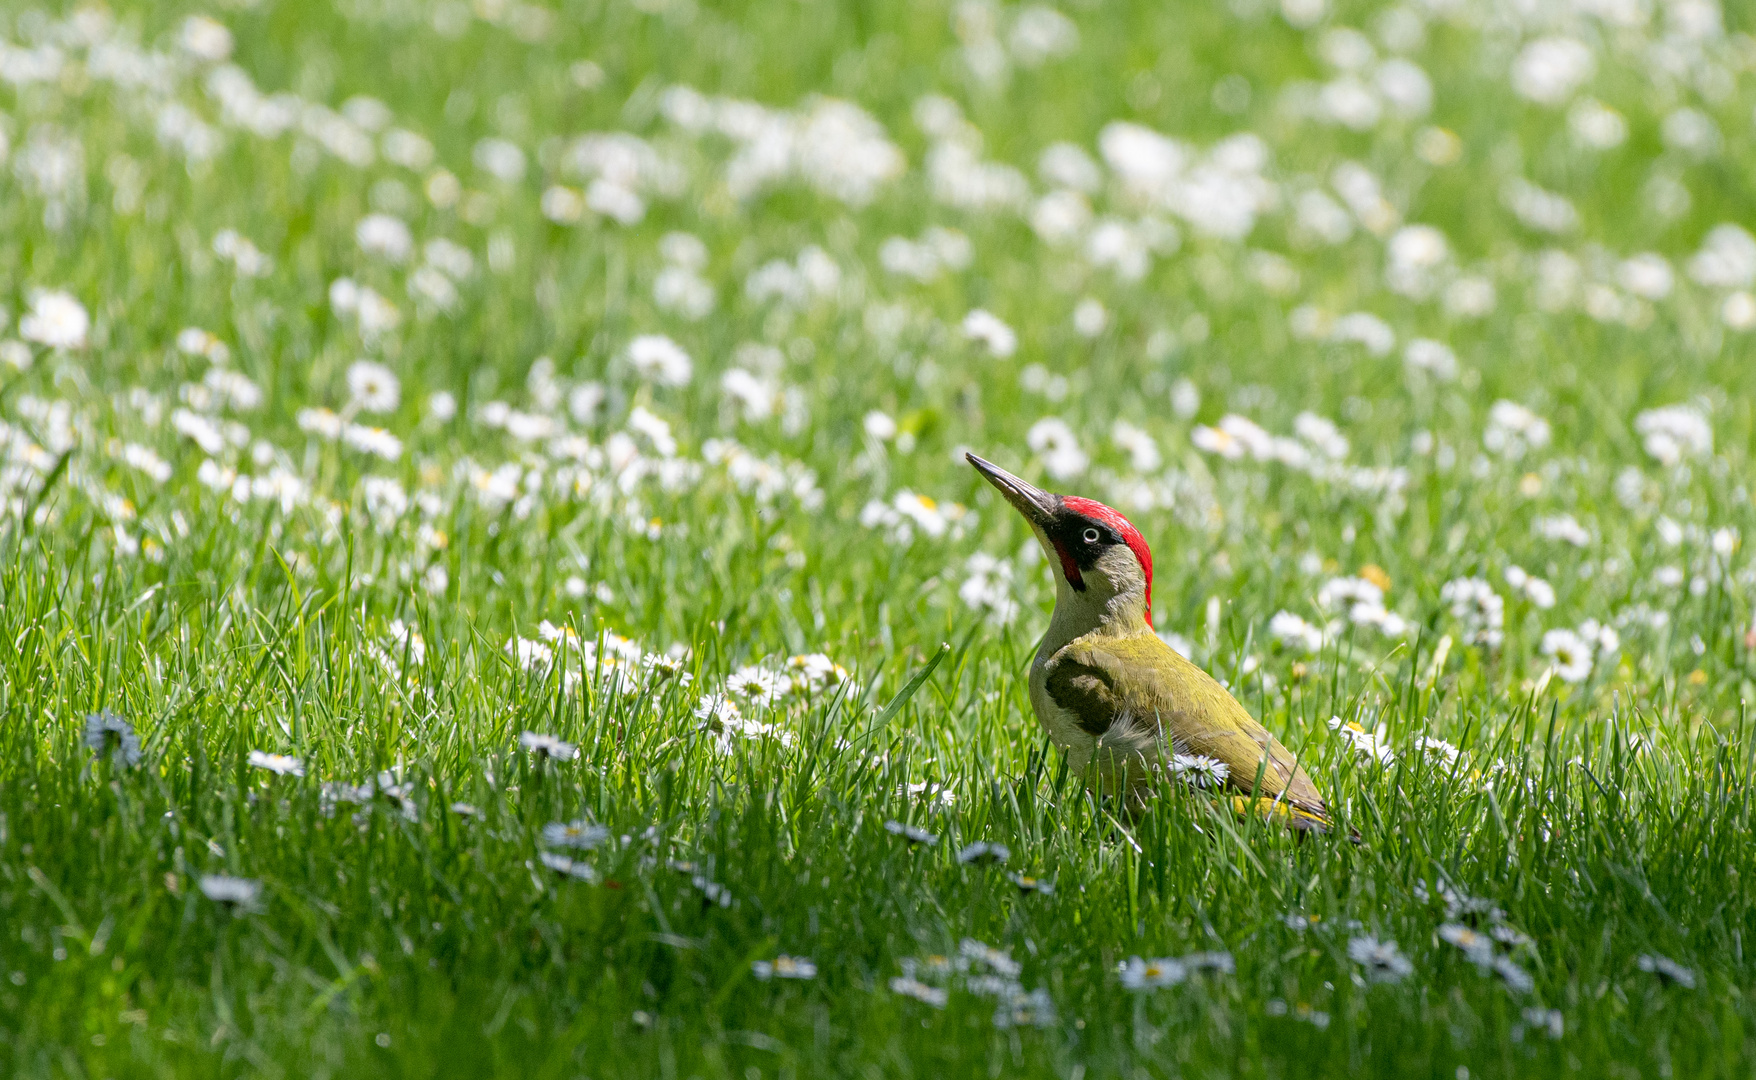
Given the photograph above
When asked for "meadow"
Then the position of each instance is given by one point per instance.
(491, 587)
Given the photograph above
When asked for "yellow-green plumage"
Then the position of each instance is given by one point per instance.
(1134, 695)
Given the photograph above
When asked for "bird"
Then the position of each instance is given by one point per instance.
(1123, 705)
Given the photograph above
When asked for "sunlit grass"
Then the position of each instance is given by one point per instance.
(236, 539)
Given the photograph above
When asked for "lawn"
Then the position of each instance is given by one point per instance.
(492, 586)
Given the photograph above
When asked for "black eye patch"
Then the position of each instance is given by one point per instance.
(1084, 540)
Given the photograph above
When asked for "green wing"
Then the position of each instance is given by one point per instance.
(1142, 683)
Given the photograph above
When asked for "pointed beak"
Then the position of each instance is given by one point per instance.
(1037, 506)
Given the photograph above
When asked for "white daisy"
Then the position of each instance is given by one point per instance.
(657, 359)
(373, 387)
(547, 746)
(234, 892)
(56, 320)
(280, 764)
(1382, 960)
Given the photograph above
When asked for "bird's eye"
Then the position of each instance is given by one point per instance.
(1091, 536)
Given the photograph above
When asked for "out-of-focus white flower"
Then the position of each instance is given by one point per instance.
(1295, 633)
(1319, 216)
(375, 315)
(657, 359)
(984, 326)
(831, 145)
(615, 202)
(1383, 961)
(1361, 189)
(815, 671)
(1549, 70)
(1143, 159)
(906, 512)
(1470, 297)
(1065, 165)
(563, 205)
(1556, 281)
(241, 253)
(16, 355)
(205, 39)
(1345, 48)
(988, 588)
(1674, 432)
(1539, 592)
(1668, 970)
(1058, 447)
(385, 237)
(1348, 101)
(1433, 357)
(1415, 253)
(405, 148)
(372, 440)
(1569, 654)
(502, 160)
(386, 501)
(682, 290)
(784, 967)
(1235, 437)
(1090, 318)
(1565, 528)
(1596, 125)
(450, 258)
(1185, 398)
(586, 402)
(1366, 329)
(429, 286)
(1647, 275)
(234, 892)
(1405, 86)
(1040, 33)
(545, 746)
(55, 320)
(1513, 430)
(754, 397)
(1138, 974)
(194, 341)
(1739, 311)
(1478, 609)
(1142, 450)
(1538, 208)
(1321, 434)
(1691, 131)
(1726, 259)
(880, 425)
(1117, 246)
(1601, 637)
(279, 764)
(1060, 217)
(373, 387)
(232, 389)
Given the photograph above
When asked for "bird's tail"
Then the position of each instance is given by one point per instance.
(1293, 816)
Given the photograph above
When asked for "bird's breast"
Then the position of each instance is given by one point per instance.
(1122, 754)
(1061, 725)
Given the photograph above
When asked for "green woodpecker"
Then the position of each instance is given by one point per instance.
(1120, 702)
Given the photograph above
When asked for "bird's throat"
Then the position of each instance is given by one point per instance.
(1070, 568)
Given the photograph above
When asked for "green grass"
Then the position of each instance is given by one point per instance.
(1597, 823)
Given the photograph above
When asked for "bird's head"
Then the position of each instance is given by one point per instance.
(1105, 567)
